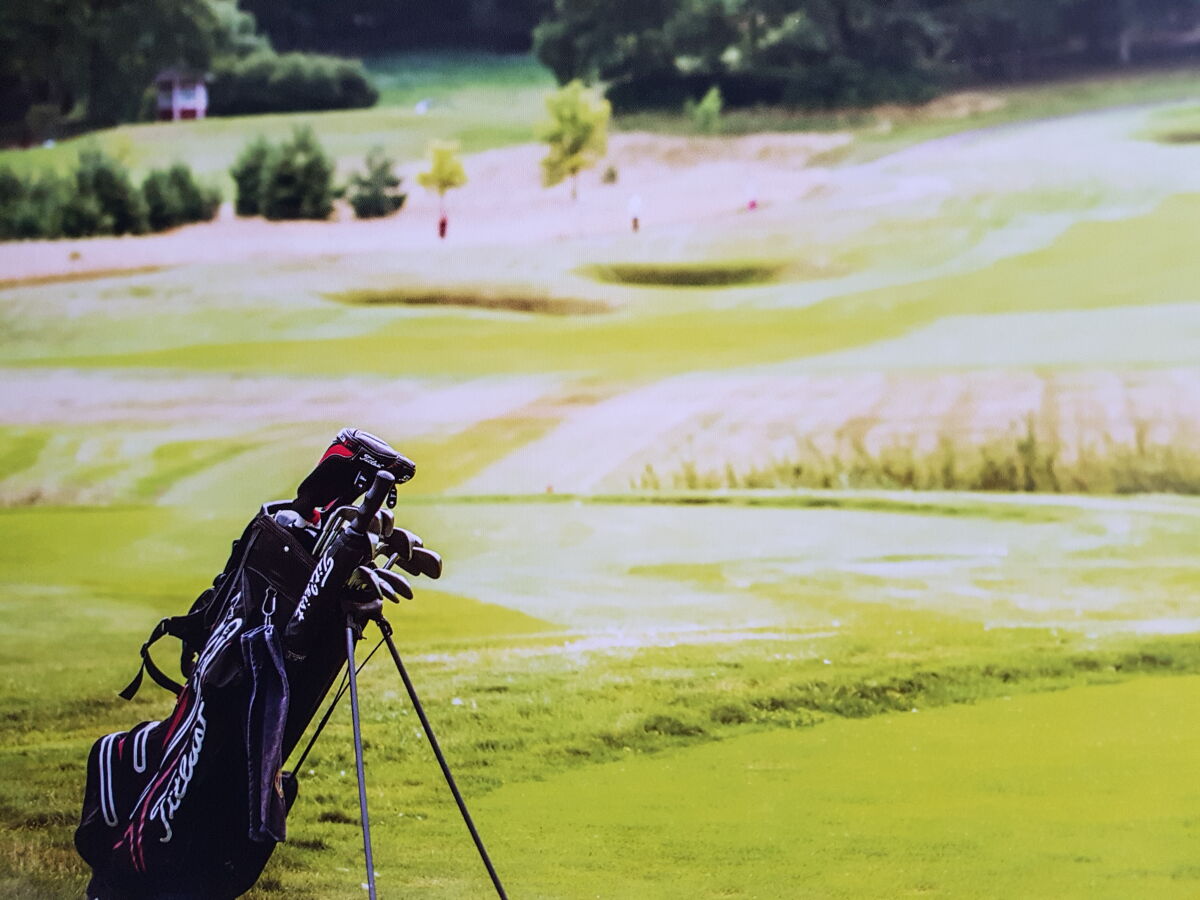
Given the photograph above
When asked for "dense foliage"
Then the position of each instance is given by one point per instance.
(291, 181)
(366, 26)
(839, 52)
(290, 82)
(93, 63)
(100, 198)
(376, 193)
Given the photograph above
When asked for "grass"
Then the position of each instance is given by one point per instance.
(479, 299)
(1035, 460)
(481, 101)
(1137, 262)
(720, 274)
(1086, 783)
(1175, 126)
(888, 129)
(676, 693)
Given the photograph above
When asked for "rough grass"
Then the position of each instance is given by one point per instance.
(1032, 460)
(694, 274)
(1136, 262)
(1175, 126)
(484, 298)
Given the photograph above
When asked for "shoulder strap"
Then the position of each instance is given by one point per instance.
(186, 628)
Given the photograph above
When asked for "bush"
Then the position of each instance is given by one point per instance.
(266, 82)
(100, 198)
(377, 193)
(105, 199)
(297, 180)
(173, 197)
(32, 209)
(247, 177)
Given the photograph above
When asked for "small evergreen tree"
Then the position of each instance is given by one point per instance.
(33, 208)
(376, 194)
(174, 197)
(106, 200)
(445, 173)
(247, 177)
(297, 180)
(577, 133)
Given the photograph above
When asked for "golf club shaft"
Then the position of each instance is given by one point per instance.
(437, 751)
(358, 761)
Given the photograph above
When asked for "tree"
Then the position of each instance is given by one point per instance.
(297, 180)
(577, 133)
(377, 193)
(445, 173)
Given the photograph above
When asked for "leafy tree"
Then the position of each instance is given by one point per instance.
(377, 193)
(297, 180)
(445, 173)
(577, 133)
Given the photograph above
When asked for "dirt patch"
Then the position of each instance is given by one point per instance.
(703, 274)
(549, 306)
(86, 275)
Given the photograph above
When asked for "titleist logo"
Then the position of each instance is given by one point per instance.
(167, 805)
(317, 581)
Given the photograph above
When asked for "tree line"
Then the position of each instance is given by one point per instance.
(817, 53)
(92, 62)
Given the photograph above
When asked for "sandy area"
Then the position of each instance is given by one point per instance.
(712, 421)
(677, 180)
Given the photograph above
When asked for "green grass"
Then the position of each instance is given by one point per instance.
(889, 129)
(1137, 262)
(1034, 460)
(1086, 793)
(481, 101)
(1175, 126)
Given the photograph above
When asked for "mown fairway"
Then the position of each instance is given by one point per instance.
(698, 636)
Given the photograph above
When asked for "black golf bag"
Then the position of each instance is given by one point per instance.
(192, 806)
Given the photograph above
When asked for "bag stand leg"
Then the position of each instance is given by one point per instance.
(358, 761)
(437, 751)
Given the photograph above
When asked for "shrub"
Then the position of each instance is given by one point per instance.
(105, 200)
(290, 82)
(247, 177)
(31, 209)
(297, 180)
(173, 197)
(376, 194)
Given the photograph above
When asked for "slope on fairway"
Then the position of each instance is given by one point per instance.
(1089, 792)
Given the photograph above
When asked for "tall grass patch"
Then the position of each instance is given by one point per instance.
(1032, 460)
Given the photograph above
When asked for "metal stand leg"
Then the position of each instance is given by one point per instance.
(358, 760)
(437, 751)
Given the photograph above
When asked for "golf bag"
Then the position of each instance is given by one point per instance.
(192, 806)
